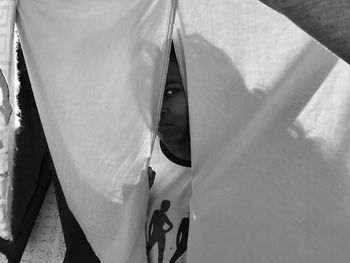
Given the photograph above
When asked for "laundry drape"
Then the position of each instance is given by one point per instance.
(269, 108)
(96, 70)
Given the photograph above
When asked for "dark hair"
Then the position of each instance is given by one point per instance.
(172, 57)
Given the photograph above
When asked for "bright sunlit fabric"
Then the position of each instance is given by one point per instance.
(96, 70)
(269, 113)
(7, 122)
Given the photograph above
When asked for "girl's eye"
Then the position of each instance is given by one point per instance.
(170, 92)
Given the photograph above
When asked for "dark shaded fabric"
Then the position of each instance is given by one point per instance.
(78, 248)
(14, 250)
(31, 147)
(328, 21)
(33, 173)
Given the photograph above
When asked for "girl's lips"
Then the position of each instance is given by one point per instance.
(164, 126)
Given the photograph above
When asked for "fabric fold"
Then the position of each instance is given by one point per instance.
(96, 76)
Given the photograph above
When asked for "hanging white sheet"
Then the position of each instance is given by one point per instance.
(269, 113)
(96, 69)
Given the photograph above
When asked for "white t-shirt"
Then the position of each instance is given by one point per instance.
(168, 211)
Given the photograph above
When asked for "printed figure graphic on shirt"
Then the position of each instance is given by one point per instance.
(156, 231)
(181, 239)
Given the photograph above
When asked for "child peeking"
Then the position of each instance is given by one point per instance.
(168, 213)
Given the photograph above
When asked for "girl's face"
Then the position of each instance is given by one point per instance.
(174, 123)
